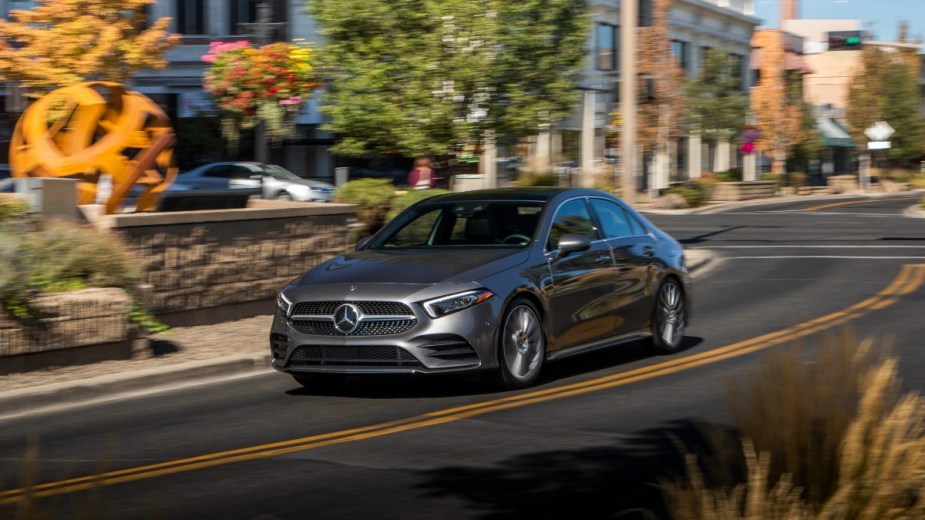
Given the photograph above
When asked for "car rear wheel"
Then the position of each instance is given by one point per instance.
(522, 346)
(669, 318)
(283, 196)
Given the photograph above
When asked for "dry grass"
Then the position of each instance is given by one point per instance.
(831, 439)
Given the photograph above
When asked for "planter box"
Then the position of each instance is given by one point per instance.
(842, 183)
(73, 328)
(742, 190)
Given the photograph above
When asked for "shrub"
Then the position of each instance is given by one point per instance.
(695, 193)
(372, 198)
(537, 179)
(831, 439)
(400, 202)
(53, 256)
(13, 207)
(733, 175)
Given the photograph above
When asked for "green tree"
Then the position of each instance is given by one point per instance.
(717, 105)
(429, 77)
(886, 89)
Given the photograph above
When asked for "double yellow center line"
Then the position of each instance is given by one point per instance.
(854, 202)
(909, 279)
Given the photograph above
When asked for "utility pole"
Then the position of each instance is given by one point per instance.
(263, 29)
(629, 11)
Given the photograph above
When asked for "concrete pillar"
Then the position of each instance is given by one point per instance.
(488, 163)
(694, 155)
(721, 160)
(750, 167)
(587, 140)
(541, 157)
(629, 10)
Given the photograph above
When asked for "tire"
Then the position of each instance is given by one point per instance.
(669, 318)
(521, 346)
(283, 196)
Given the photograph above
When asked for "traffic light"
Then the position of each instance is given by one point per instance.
(845, 40)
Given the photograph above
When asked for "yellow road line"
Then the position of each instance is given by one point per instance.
(908, 280)
(851, 202)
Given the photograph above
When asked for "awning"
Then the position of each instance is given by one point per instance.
(792, 61)
(833, 134)
(795, 62)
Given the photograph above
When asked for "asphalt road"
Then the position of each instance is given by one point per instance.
(590, 441)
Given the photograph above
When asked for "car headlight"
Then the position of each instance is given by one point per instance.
(455, 302)
(283, 306)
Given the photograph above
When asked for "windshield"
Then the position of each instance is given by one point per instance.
(462, 224)
(278, 172)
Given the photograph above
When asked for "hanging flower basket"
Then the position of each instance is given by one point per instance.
(269, 83)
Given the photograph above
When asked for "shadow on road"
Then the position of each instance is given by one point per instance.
(620, 481)
(387, 386)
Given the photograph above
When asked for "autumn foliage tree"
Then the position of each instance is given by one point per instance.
(662, 115)
(777, 101)
(63, 42)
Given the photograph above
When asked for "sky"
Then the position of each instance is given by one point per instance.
(880, 16)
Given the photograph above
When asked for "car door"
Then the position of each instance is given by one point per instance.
(240, 176)
(633, 251)
(582, 294)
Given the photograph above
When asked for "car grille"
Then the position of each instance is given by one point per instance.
(341, 355)
(365, 328)
(378, 318)
(367, 308)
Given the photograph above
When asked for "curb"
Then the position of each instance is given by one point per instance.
(108, 386)
(783, 199)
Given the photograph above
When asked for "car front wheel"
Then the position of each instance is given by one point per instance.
(669, 318)
(522, 346)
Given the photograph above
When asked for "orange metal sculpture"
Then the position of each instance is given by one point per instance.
(93, 129)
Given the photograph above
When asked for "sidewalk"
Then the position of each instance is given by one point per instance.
(182, 355)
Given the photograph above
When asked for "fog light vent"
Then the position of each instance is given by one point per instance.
(279, 343)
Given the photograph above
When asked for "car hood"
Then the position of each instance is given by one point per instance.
(413, 267)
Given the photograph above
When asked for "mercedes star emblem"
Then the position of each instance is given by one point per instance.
(346, 318)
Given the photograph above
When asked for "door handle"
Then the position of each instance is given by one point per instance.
(603, 259)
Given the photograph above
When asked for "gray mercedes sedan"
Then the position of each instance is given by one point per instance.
(491, 281)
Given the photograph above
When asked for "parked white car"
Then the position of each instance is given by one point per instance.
(275, 181)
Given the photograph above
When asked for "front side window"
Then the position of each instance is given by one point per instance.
(463, 224)
(572, 217)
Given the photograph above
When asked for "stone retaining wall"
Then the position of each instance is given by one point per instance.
(742, 190)
(195, 260)
(96, 318)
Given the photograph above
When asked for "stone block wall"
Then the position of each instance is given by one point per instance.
(69, 320)
(744, 190)
(204, 259)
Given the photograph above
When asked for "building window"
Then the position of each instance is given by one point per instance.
(191, 17)
(242, 11)
(645, 13)
(679, 50)
(606, 41)
(737, 65)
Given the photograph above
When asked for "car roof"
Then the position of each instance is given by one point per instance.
(534, 193)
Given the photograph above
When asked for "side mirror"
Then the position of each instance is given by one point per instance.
(572, 243)
(363, 243)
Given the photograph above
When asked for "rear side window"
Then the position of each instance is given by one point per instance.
(572, 217)
(614, 221)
